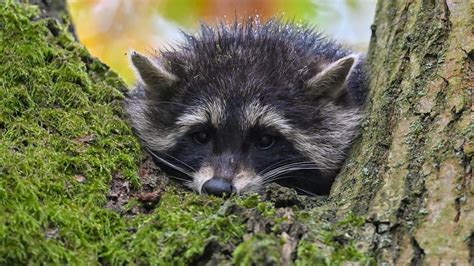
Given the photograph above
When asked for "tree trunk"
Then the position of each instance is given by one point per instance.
(411, 172)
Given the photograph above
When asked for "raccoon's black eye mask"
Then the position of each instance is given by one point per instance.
(262, 142)
(265, 142)
(201, 137)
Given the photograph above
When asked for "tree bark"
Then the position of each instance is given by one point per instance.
(410, 173)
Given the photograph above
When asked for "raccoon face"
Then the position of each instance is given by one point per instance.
(233, 135)
(241, 106)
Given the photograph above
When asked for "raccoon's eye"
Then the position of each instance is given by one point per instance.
(200, 137)
(265, 142)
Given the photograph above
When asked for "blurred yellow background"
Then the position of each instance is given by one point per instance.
(109, 28)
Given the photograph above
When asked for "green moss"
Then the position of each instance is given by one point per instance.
(177, 232)
(332, 243)
(63, 137)
(49, 101)
(260, 249)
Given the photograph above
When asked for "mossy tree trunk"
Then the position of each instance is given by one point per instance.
(410, 173)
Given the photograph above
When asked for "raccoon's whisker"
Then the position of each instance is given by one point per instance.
(276, 179)
(305, 191)
(269, 168)
(292, 165)
(292, 169)
(284, 166)
(282, 172)
(289, 166)
(177, 168)
(288, 170)
(181, 162)
(264, 182)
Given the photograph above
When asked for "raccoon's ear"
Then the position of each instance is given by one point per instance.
(156, 78)
(331, 80)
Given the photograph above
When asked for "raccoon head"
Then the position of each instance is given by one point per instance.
(225, 120)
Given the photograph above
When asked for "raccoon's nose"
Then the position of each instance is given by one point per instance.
(218, 187)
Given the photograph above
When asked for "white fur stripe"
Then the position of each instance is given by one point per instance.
(211, 111)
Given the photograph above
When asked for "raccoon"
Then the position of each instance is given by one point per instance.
(240, 105)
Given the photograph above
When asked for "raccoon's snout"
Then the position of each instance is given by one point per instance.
(218, 187)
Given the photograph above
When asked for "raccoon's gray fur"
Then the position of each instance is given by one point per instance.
(241, 105)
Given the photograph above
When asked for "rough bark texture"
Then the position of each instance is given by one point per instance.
(410, 174)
